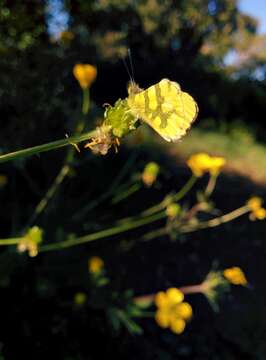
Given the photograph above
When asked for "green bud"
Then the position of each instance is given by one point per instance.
(173, 210)
(150, 173)
(120, 118)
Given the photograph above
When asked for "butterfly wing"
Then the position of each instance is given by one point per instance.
(166, 108)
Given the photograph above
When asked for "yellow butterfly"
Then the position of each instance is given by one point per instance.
(165, 107)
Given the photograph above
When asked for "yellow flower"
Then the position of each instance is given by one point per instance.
(80, 298)
(172, 312)
(257, 211)
(85, 74)
(150, 173)
(95, 265)
(235, 276)
(202, 163)
(254, 203)
(260, 214)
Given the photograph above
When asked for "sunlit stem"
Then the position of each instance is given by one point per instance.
(216, 221)
(211, 185)
(47, 147)
(200, 226)
(176, 197)
(191, 289)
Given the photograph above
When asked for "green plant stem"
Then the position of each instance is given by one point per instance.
(47, 147)
(92, 204)
(103, 233)
(86, 101)
(176, 197)
(154, 234)
(185, 189)
(65, 169)
(125, 194)
(50, 193)
(10, 241)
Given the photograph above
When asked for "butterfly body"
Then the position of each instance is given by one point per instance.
(165, 107)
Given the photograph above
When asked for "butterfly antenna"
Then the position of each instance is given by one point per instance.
(131, 63)
(127, 69)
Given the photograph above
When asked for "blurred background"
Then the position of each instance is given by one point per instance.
(216, 51)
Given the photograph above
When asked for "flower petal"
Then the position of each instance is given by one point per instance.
(184, 311)
(174, 295)
(235, 276)
(162, 318)
(177, 325)
(161, 300)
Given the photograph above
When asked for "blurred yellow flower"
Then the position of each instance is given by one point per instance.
(172, 312)
(201, 163)
(30, 241)
(80, 298)
(235, 276)
(3, 180)
(85, 74)
(254, 203)
(257, 211)
(260, 214)
(95, 265)
(150, 173)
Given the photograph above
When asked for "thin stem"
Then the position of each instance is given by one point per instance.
(194, 210)
(47, 147)
(176, 197)
(50, 193)
(185, 189)
(92, 204)
(103, 233)
(10, 241)
(125, 194)
(154, 209)
(62, 173)
(211, 185)
(190, 289)
(203, 225)
(154, 234)
(216, 221)
(86, 101)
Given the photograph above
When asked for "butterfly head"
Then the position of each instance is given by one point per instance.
(133, 88)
